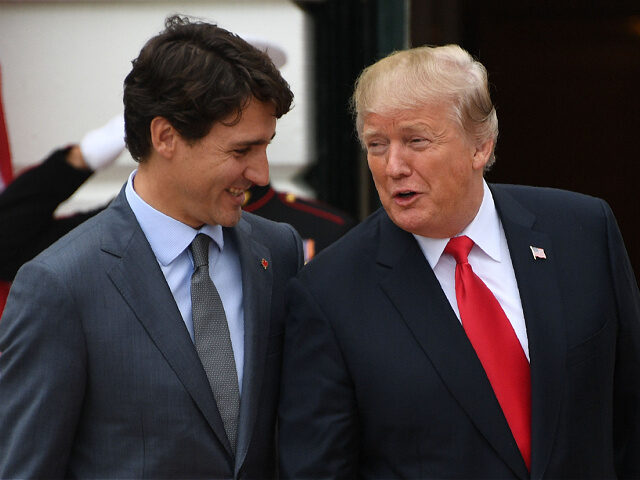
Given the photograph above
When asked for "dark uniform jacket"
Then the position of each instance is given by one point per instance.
(319, 224)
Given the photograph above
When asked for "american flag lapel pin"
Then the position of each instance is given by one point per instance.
(538, 253)
(264, 263)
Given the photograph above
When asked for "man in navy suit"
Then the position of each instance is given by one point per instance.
(396, 366)
(110, 359)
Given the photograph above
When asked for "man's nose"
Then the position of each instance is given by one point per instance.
(257, 171)
(396, 164)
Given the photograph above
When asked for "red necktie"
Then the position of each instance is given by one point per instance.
(496, 345)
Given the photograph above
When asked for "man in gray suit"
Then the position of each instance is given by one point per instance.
(147, 342)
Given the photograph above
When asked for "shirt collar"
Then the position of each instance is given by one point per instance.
(484, 230)
(167, 236)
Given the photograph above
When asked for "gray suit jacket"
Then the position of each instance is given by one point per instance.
(98, 375)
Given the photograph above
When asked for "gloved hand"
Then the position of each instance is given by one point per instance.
(100, 147)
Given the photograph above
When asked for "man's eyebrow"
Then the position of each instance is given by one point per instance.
(369, 133)
(410, 126)
(257, 141)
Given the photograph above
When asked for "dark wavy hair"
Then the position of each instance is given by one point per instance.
(195, 74)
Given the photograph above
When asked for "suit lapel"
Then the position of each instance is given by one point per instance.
(133, 269)
(412, 287)
(256, 287)
(539, 292)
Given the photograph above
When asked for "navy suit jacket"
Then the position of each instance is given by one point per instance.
(99, 377)
(380, 381)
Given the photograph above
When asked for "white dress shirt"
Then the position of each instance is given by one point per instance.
(170, 240)
(490, 260)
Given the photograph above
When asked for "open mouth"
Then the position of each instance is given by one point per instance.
(405, 195)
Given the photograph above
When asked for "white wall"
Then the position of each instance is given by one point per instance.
(63, 64)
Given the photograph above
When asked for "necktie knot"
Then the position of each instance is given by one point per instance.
(459, 248)
(200, 250)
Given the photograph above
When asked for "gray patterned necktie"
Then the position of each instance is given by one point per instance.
(212, 339)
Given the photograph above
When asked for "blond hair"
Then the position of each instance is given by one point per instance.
(414, 78)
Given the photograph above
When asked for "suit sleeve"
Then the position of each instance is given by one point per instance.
(42, 376)
(627, 373)
(317, 414)
(27, 224)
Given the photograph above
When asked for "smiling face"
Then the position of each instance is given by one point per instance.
(204, 182)
(427, 172)
(212, 175)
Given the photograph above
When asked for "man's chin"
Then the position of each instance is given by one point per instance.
(409, 222)
(230, 220)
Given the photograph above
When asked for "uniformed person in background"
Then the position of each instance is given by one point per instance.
(318, 224)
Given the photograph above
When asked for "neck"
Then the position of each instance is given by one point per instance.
(468, 210)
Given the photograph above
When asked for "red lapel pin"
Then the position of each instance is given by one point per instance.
(264, 263)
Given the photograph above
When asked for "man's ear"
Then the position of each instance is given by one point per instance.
(482, 154)
(164, 137)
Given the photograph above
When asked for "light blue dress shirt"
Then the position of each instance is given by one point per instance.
(170, 240)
